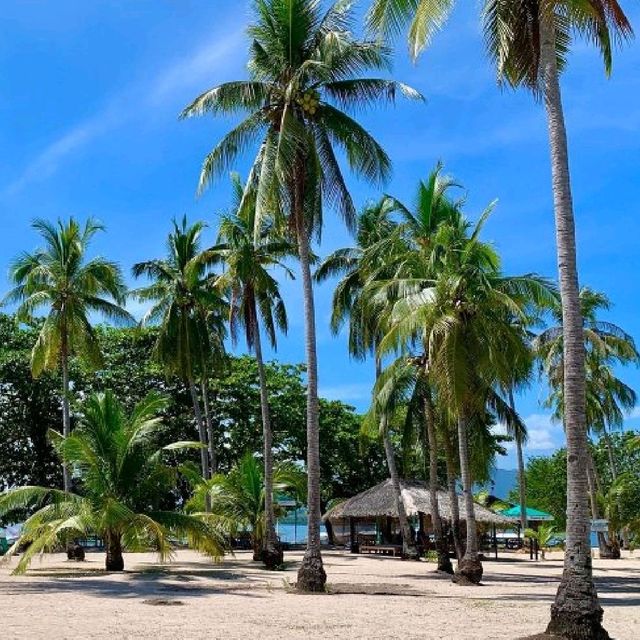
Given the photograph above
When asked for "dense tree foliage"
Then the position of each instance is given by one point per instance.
(546, 478)
(29, 408)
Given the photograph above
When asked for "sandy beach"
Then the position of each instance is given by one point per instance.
(370, 598)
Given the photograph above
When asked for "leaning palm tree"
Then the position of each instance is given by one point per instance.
(183, 297)
(60, 279)
(529, 41)
(305, 67)
(459, 311)
(123, 480)
(255, 301)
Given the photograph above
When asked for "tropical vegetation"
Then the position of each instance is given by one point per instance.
(169, 439)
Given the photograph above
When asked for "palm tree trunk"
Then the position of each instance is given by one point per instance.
(469, 568)
(522, 486)
(272, 555)
(453, 495)
(444, 563)
(66, 413)
(114, 560)
(202, 436)
(213, 462)
(576, 612)
(595, 512)
(311, 575)
(408, 547)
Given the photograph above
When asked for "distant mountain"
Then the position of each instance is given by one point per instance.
(502, 482)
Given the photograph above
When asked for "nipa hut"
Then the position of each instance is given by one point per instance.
(370, 517)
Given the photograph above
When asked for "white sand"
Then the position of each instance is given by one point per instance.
(236, 599)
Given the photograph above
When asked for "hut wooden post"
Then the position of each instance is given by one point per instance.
(353, 535)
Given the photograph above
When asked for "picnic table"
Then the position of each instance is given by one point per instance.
(382, 549)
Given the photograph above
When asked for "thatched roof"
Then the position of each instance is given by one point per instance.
(380, 501)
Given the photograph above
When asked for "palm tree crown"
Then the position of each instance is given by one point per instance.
(122, 481)
(59, 278)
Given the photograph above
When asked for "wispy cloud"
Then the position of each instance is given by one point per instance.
(164, 91)
(544, 433)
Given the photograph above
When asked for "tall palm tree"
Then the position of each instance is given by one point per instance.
(183, 297)
(459, 311)
(122, 482)
(606, 396)
(374, 225)
(254, 300)
(305, 67)
(529, 41)
(605, 344)
(60, 279)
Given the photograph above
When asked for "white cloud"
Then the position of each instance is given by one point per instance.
(543, 433)
(177, 82)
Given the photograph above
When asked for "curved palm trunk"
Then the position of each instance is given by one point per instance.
(576, 612)
(213, 461)
(202, 436)
(444, 563)
(66, 413)
(469, 568)
(453, 496)
(522, 486)
(114, 560)
(271, 551)
(614, 475)
(311, 575)
(408, 547)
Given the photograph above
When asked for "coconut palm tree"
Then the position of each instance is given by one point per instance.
(122, 481)
(374, 225)
(605, 344)
(305, 67)
(456, 310)
(60, 279)
(183, 298)
(530, 41)
(239, 501)
(255, 300)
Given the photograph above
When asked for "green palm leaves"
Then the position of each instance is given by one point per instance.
(122, 476)
(305, 67)
(60, 279)
(184, 302)
(238, 498)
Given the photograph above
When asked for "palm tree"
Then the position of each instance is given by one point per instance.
(305, 68)
(606, 396)
(239, 499)
(122, 482)
(605, 344)
(255, 299)
(183, 297)
(374, 225)
(60, 279)
(455, 302)
(529, 41)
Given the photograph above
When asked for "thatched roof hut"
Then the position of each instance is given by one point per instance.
(380, 501)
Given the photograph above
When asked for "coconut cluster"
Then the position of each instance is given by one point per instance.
(309, 101)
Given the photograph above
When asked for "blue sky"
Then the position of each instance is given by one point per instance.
(88, 126)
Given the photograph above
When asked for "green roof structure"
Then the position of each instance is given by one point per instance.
(534, 515)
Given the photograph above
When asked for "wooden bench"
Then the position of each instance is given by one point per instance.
(382, 549)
